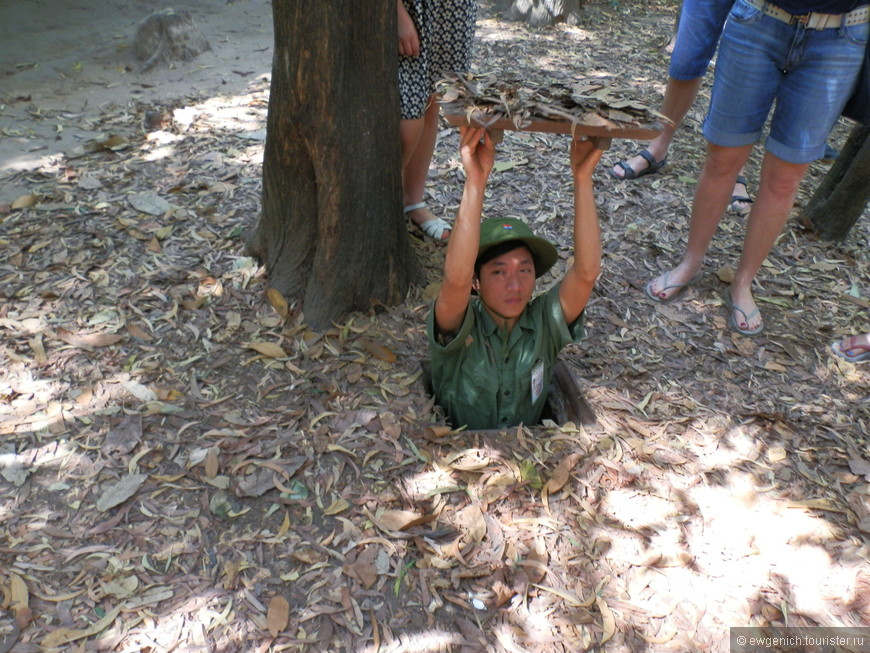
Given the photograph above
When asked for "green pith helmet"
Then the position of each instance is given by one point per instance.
(494, 231)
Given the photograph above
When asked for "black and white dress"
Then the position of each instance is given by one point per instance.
(446, 31)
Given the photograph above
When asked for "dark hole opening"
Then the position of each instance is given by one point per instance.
(565, 402)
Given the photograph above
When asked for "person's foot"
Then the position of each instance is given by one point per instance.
(644, 163)
(670, 285)
(741, 203)
(743, 314)
(854, 348)
(432, 226)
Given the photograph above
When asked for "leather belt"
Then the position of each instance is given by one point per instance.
(814, 20)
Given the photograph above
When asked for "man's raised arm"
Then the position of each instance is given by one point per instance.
(477, 149)
(579, 279)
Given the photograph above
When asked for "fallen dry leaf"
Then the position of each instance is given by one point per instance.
(278, 302)
(63, 636)
(379, 351)
(269, 349)
(860, 467)
(608, 622)
(538, 558)
(18, 596)
(278, 615)
(471, 521)
(212, 464)
(24, 202)
(337, 506)
(400, 520)
(562, 473)
(363, 568)
(117, 493)
(89, 340)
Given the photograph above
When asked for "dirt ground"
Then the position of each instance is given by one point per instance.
(185, 468)
(67, 63)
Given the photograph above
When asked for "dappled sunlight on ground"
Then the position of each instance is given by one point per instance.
(676, 550)
(184, 465)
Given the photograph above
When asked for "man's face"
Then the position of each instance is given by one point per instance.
(506, 283)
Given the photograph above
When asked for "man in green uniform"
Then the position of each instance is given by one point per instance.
(493, 354)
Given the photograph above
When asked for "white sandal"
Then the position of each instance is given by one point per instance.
(434, 228)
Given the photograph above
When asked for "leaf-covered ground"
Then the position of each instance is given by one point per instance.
(183, 467)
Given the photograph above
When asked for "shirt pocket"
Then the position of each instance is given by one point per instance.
(523, 405)
(478, 389)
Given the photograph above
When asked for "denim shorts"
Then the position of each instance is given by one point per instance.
(701, 23)
(808, 72)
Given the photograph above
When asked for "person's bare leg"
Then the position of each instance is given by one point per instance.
(776, 192)
(409, 132)
(711, 197)
(415, 168)
(679, 96)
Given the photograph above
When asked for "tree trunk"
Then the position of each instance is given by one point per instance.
(332, 233)
(539, 13)
(844, 192)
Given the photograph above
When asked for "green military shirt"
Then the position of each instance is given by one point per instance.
(485, 378)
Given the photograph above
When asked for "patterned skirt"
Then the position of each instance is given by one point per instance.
(446, 31)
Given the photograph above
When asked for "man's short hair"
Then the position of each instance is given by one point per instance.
(497, 250)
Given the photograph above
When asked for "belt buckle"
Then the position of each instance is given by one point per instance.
(803, 19)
